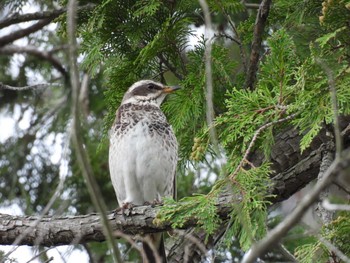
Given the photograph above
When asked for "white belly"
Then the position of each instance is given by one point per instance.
(142, 167)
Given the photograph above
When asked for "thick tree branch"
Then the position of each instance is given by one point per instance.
(45, 55)
(260, 23)
(53, 231)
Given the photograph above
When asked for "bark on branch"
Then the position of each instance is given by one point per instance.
(259, 28)
(54, 231)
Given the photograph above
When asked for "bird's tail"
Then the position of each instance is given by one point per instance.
(157, 247)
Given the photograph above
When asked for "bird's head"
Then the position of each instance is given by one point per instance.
(147, 91)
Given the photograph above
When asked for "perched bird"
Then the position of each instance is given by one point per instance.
(143, 152)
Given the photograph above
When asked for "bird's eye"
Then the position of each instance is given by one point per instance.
(152, 86)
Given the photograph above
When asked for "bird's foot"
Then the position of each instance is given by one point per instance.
(124, 207)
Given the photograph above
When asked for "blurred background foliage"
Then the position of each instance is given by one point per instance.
(124, 41)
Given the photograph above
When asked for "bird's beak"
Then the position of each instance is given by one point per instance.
(170, 89)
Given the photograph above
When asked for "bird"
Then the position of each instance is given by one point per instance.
(143, 153)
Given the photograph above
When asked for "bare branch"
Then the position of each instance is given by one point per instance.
(40, 86)
(19, 18)
(341, 165)
(209, 77)
(260, 23)
(24, 32)
(46, 55)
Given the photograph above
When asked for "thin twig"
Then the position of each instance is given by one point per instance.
(209, 77)
(340, 165)
(237, 39)
(252, 142)
(226, 36)
(78, 144)
(170, 66)
(129, 239)
(39, 254)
